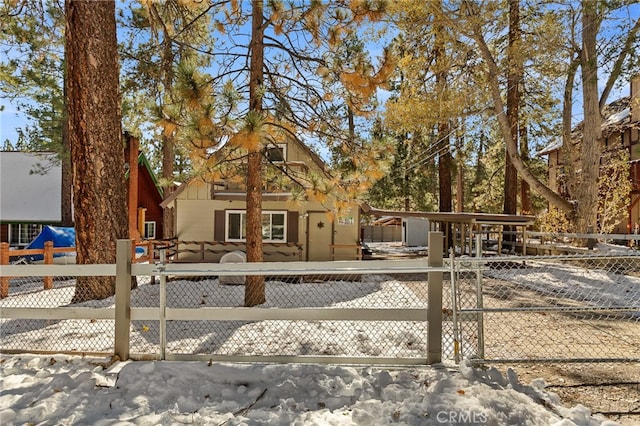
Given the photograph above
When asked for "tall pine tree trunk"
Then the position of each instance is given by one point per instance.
(514, 76)
(525, 190)
(460, 167)
(66, 201)
(168, 143)
(95, 138)
(445, 162)
(168, 161)
(254, 291)
(587, 209)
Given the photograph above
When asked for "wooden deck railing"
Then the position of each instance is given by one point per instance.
(47, 253)
(6, 256)
(175, 249)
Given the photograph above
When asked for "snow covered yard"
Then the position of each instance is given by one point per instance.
(65, 390)
(56, 389)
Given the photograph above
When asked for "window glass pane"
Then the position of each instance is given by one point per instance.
(275, 153)
(273, 226)
(234, 226)
(14, 233)
(23, 234)
(277, 226)
(277, 219)
(150, 230)
(266, 226)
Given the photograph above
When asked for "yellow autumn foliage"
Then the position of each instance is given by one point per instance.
(168, 127)
(247, 140)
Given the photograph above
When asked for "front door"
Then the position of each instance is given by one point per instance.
(319, 234)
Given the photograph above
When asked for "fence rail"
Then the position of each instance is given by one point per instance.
(500, 308)
(135, 328)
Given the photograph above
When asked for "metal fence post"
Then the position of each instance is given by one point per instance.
(454, 309)
(479, 301)
(434, 298)
(163, 304)
(123, 298)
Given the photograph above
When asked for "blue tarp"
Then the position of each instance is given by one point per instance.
(61, 237)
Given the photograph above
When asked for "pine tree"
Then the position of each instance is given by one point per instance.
(95, 135)
(32, 34)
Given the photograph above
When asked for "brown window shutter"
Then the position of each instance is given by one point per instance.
(218, 225)
(292, 227)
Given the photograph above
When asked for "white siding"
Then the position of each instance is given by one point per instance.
(25, 196)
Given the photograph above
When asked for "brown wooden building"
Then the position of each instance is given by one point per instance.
(620, 130)
(145, 194)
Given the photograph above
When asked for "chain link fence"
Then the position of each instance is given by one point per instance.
(374, 338)
(349, 338)
(551, 308)
(500, 309)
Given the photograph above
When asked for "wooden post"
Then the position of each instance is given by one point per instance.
(4, 260)
(48, 260)
(434, 299)
(123, 299)
(132, 207)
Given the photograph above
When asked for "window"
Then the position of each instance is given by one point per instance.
(21, 234)
(274, 228)
(150, 230)
(276, 153)
(236, 226)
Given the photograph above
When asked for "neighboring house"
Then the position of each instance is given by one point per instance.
(30, 196)
(146, 218)
(620, 130)
(214, 212)
(30, 189)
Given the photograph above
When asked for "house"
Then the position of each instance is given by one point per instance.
(31, 188)
(620, 130)
(213, 210)
(30, 195)
(144, 194)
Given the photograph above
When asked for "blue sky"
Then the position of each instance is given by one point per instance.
(11, 119)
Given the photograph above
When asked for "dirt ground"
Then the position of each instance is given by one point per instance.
(606, 387)
(610, 389)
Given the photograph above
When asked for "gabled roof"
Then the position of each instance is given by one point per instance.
(616, 118)
(237, 196)
(30, 187)
(142, 161)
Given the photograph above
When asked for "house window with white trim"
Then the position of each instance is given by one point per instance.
(150, 230)
(21, 234)
(274, 226)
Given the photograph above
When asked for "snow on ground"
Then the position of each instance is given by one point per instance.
(66, 390)
(574, 283)
(396, 248)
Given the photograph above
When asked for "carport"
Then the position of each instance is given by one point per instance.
(459, 228)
